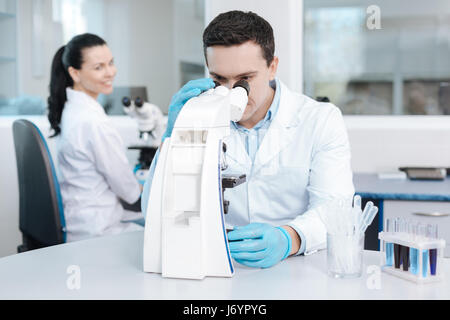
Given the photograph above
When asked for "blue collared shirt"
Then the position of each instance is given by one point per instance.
(252, 138)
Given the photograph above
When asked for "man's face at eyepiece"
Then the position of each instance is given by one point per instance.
(229, 64)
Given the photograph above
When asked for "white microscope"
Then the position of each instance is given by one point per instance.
(185, 234)
(151, 125)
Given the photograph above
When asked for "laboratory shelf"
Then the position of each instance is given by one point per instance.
(8, 48)
(4, 15)
(7, 59)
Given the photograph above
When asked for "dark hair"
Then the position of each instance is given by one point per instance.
(236, 27)
(67, 56)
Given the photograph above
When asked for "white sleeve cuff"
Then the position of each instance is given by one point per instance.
(302, 239)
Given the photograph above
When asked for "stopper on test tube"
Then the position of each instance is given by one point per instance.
(387, 227)
(421, 230)
(397, 225)
(432, 231)
(403, 225)
(410, 226)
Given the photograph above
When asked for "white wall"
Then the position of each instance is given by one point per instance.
(187, 35)
(140, 35)
(50, 42)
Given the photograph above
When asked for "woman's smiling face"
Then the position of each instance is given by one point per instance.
(97, 72)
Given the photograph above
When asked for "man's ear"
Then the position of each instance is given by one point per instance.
(74, 74)
(273, 67)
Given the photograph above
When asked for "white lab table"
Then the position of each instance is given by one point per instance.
(111, 268)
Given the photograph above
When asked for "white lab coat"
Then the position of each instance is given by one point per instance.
(303, 160)
(93, 171)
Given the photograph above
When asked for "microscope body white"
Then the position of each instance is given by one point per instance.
(185, 234)
(148, 116)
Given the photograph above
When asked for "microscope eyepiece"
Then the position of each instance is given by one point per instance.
(244, 84)
(138, 102)
(126, 101)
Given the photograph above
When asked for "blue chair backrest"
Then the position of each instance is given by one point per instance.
(41, 215)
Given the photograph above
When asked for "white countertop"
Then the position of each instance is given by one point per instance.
(111, 268)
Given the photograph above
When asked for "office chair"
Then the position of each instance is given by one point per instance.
(41, 217)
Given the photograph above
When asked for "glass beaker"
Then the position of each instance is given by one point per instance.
(344, 255)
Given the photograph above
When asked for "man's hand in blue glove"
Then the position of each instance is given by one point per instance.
(259, 244)
(191, 89)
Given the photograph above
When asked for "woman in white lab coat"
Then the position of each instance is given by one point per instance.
(93, 170)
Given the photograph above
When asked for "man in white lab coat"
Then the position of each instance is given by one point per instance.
(293, 149)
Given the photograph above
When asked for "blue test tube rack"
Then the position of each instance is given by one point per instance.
(423, 271)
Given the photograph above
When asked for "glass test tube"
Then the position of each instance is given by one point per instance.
(389, 246)
(413, 252)
(422, 232)
(432, 232)
(404, 250)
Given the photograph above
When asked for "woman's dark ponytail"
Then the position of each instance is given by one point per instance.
(67, 56)
(59, 81)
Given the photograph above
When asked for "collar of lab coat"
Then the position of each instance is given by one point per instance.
(279, 135)
(289, 109)
(80, 98)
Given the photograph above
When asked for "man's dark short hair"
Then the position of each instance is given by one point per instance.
(237, 27)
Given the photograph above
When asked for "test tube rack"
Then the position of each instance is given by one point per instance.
(419, 243)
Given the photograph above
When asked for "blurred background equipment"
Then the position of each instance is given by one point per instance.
(151, 125)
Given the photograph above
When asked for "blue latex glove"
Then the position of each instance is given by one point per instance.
(259, 245)
(191, 89)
